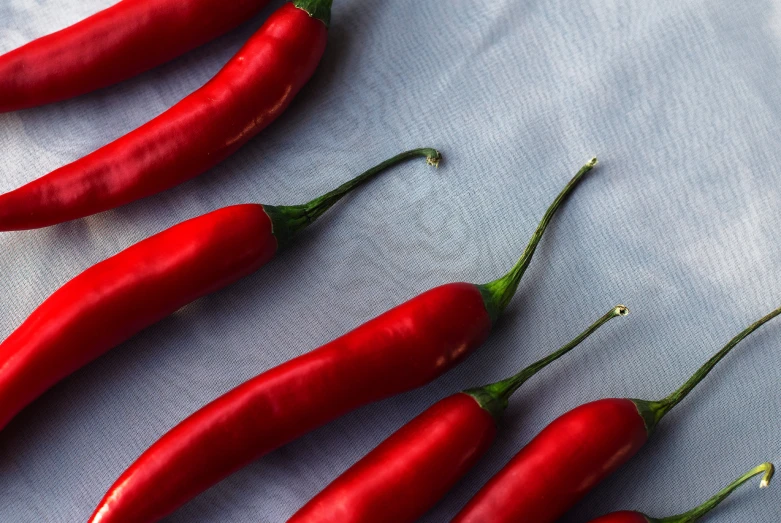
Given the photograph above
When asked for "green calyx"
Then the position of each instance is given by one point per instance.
(766, 469)
(498, 293)
(653, 411)
(320, 9)
(495, 397)
(288, 220)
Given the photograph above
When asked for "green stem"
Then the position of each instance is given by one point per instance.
(288, 220)
(766, 468)
(654, 411)
(320, 9)
(498, 293)
(495, 397)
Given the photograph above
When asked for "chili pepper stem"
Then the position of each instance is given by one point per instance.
(498, 293)
(766, 469)
(654, 411)
(320, 9)
(288, 220)
(495, 397)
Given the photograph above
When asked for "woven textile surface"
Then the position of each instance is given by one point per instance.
(680, 221)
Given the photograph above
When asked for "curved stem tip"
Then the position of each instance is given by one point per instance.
(495, 397)
(766, 469)
(288, 220)
(498, 293)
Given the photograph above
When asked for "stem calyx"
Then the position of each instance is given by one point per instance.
(320, 9)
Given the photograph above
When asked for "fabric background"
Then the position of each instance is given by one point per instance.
(679, 99)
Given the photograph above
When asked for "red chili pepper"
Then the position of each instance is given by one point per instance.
(250, 92)
(113, 300)
(113, 45)
(577, 451)
(766, 469)
(408, 473)
(400, 350)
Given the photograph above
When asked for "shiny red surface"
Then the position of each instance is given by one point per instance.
(402, 349)
(622, 517)
(408, 473)
(252, 90)
(111, 301)
(113, 45)
(559, 466)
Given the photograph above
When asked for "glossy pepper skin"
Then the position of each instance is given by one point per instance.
(113, 45)
(577, 451)
(408, 473)
(110, 302)
(766, 469)
(559, 466)
(250, 92)
(401, 479)
(402, 349)
(113, 300)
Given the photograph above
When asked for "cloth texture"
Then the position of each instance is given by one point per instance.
(680, 221)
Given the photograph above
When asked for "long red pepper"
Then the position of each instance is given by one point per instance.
(113, 300)
(250, 92)
(577, 451)
(766, 469)
(402, 349)
(113, 45)
(408, 473)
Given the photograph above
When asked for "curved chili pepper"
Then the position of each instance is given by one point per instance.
(577, 451)
(250, 92)
(113, 45)
(113, 300)
(408, 473)
(402, 349)
(766, 469)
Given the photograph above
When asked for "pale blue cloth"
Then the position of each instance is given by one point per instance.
(679, 99)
